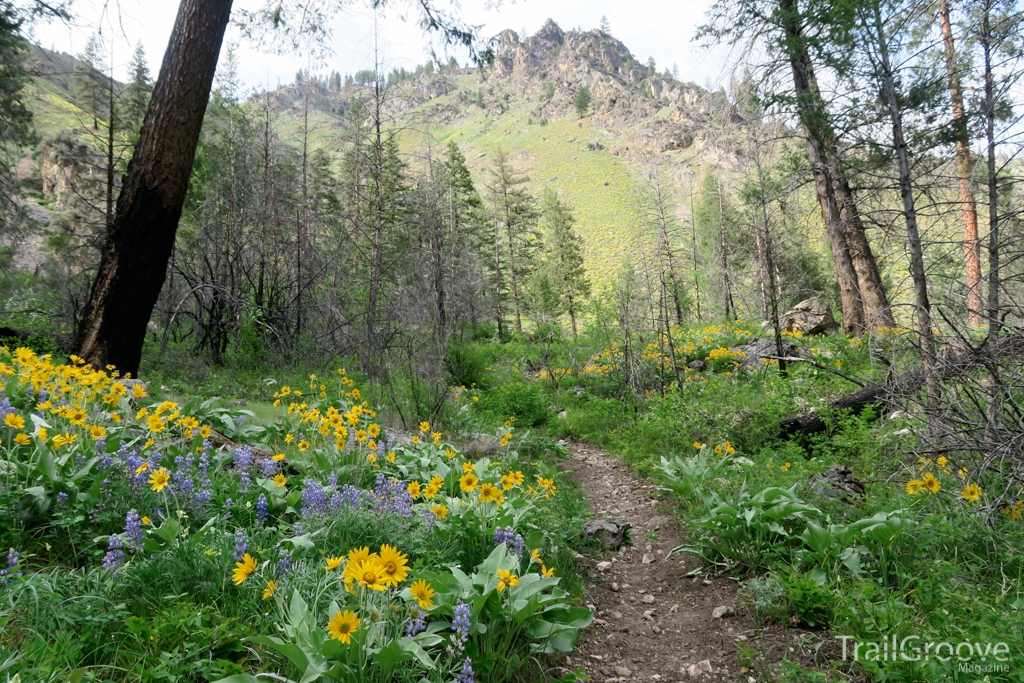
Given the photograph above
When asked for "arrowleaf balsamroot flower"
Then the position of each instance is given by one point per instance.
(244, 569)
(342, 625)
(270, 589)
(488, 492)
(971, 493)
(333, 563)
(159, 479)
(506, 579)
(439, 511)
(394, 564)
(468, 482)
(368, 573)
(280, 480)
(423, 592)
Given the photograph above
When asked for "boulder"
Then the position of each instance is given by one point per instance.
(759, 349)
(812, 316)
(837, 483)
(610, 532)
(697, 365)
(482, 445)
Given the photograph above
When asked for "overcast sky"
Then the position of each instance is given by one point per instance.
(662, 29)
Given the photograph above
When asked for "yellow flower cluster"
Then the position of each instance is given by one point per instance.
(86, 403)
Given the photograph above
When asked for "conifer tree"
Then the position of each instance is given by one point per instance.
(137, 92)
(513, 239)
(563, 264)
(582, 101)
(88, 79)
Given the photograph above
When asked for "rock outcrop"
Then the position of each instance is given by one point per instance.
(812, 316)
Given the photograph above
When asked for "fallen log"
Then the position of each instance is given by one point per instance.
(959, 356)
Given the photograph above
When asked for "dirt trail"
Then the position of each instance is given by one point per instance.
(652, 621)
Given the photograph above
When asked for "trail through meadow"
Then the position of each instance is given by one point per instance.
(655, 619)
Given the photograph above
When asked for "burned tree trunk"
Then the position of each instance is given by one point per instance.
(138, 245)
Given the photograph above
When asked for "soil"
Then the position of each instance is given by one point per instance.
(653, 617)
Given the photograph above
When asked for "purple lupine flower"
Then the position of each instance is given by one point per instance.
(466, 673)
(133, 529)
(261, 509)
(514, 542)
(417, 622)
(284, 562)
(62, 499)
(392, 495)
(243, 461)
(227, 509)
(348, 497)
(241, 545)
(115, 556)
(240, 419)
(314, 498)
(332, 480)
(13, 566)
(268, 468)
(460, 624)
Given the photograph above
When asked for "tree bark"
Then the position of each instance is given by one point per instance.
(811, 111)
(877, 311)
(917, 271)
(968, 206)
(138, 245)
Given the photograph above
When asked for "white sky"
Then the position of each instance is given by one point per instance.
(662, 29)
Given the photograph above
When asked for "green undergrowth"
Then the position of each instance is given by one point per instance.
(157, 532)
(921, 556)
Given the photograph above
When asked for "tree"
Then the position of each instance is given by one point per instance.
(89, 79)
(582, 101)
(133, 265)
(513, 239)
(136, 94)
(138, 247)
(968, 205)
(793, 35)
(605, 26)
(563, 263)
(15, 117)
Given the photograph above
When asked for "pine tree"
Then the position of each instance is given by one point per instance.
(88, 79)
(137, 92)
(605, 26)
(582, 101)
(513, 237)
(564, 259)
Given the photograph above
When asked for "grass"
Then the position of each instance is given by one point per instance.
(952, 574)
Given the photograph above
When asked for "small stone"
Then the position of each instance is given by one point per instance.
(603, 566)
(706, 582)
(622, 671)
(649, 599)
(704, 665)
(656, 629)
(673, 609)
(615, 615)
(599, 622)
(692, 671)
(721, 612)
(648, 559)
(648, 615)
(615, 587)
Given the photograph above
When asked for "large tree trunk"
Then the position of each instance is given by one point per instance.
(811, 111)
(139, 243)
(877, 311)
(917, 271)
(968, 206)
